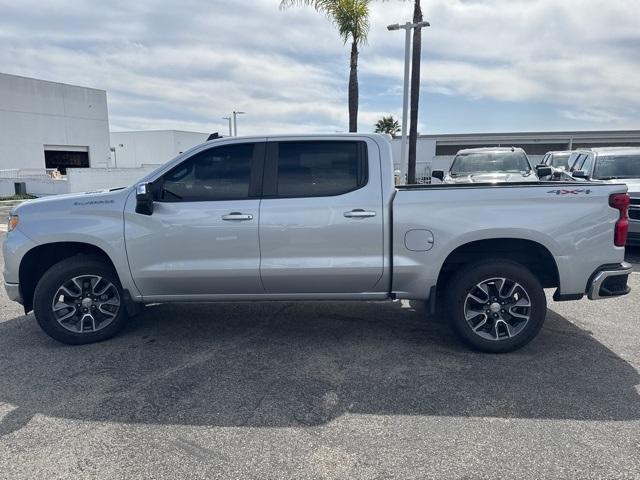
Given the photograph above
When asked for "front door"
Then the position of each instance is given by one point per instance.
(202, 237)
(321, 217)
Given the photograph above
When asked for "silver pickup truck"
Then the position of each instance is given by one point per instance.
(315, 218)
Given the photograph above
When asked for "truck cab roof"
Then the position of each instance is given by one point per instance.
(605, 151)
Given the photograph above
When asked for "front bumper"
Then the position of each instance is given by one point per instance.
(609, 281)
(13, 292)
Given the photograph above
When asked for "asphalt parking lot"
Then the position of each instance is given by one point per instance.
(322, 390)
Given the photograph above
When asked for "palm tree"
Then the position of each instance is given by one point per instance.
(387, 125)
(351, 18)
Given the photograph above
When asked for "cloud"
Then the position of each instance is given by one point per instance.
(593, 115)
(542, 51)
(187, 64)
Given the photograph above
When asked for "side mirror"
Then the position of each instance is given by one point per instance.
(439, 174)
(543, 170)
(579, 174)
(144, 199)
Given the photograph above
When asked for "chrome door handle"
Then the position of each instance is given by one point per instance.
(359, 213)
(237, 216)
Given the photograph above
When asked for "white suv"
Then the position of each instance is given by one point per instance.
(613, 165)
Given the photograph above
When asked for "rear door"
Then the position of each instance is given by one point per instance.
(321, 217)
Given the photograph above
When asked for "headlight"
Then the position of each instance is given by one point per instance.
(13, 222)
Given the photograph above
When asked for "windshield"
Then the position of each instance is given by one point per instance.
(560, 160)
(488, 162)
(617, 166)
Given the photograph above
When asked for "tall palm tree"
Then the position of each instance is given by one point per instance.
(351, 18)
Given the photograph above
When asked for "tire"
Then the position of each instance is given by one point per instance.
(70, 305)
(472, 298)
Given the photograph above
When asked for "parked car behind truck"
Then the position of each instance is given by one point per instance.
(314, 218)
(558, 161)
(611, 165)
(490, 164)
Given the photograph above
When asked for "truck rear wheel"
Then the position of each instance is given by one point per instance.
(80, 300)
(496, 306)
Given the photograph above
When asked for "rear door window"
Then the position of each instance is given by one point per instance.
(317, 168)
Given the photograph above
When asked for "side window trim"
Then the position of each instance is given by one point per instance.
(584, 161)
(578, 163)
(270, 184)
(589, 158)
(255, 178)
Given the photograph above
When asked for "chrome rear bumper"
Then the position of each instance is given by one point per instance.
(610, 281)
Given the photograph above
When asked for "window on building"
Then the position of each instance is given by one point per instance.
(63, 159)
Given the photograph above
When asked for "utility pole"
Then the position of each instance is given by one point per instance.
(230, 130)
(235, 122)
(405, 176)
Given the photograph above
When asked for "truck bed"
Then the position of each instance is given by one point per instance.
(571, 220)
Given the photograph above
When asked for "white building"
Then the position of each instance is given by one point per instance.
(151, 147)
(51, 125)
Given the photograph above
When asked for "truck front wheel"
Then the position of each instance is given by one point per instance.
(79, 300)
(496, 306)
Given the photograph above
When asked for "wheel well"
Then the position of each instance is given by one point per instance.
(39, 259)
(526, 252)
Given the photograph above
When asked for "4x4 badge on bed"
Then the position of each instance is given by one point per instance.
(570, 191)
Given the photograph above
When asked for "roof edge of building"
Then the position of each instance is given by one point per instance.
(159, 131)
(561, 134)
(52, 81)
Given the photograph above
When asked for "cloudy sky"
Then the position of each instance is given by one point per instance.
(488, 65)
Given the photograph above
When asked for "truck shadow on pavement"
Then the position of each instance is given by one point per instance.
(303, 364)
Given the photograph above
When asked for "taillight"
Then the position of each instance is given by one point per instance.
(621, 201)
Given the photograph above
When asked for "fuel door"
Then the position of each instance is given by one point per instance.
(418, 240)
